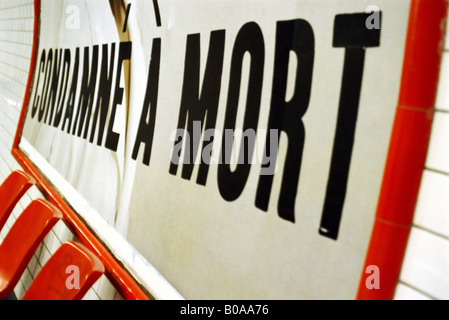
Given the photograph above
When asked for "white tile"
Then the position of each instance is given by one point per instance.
(52, 242)
(426, 264)
(4, 232)
(19, 291)
(11, 220)
(34, 193)
(118, 296)
(44, 256)
(404, 292)
(26, 279)
(438, 153)
(442, 98)
(63, 233)
(3, 169)
(91, 295)
(432, 209)
(35, 268)
(105, 291)
(17, 211)
(25, 201)
(33, 265)
(96, 285)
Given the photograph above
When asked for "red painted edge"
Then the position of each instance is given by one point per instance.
(119, 277)
(408, 147)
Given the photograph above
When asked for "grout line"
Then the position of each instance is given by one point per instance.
(17, 18)
(435, 233)
(14, 93)
(15, 30)
(17, 6)
(441, 110)
(14, 79)
(24, 289)
(16, 55)
(16, 42)
(13, 123)
(417, 290)
(15, 67)
(436, 171)
(17, 114)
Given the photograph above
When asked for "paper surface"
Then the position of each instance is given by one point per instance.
(231, 231)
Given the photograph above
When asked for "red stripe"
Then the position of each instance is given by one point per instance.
(408, 146)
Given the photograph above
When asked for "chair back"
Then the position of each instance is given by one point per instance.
(68, 275)
(11, 190)
(22, 241)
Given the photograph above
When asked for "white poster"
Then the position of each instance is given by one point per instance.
(238, 146)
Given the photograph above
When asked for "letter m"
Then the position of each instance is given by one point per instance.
(86, 98)
(199, 107)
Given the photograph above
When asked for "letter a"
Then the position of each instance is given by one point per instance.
(73, 20)
(72, 281)
(373, 21)
(373, 281)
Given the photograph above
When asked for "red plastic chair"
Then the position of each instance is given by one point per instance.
(11, 190)
(22, 240)
(68, 275)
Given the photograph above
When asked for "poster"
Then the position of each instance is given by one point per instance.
(238, 147)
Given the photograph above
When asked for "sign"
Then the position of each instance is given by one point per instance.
(238, 147)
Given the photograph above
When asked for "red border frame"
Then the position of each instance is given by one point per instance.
(119, 277)
(408, 146)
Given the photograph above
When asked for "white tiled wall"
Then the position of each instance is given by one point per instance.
(16, 34)
(425, 271)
